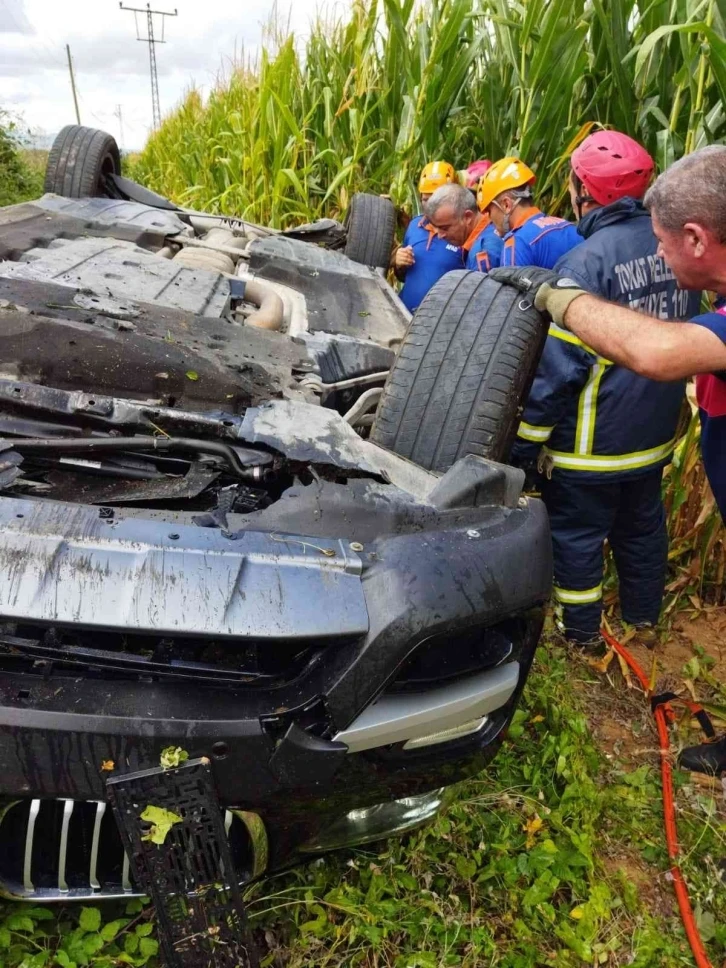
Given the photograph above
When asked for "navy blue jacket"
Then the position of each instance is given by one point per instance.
(595, 420)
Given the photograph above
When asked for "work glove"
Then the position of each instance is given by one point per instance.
(553, 293)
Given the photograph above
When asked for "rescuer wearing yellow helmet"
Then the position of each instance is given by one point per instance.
(433, 176)
(530, 237)
(424, 256)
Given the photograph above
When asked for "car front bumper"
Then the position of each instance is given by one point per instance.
(344, 751)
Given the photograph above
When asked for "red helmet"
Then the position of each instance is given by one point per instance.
(611, 165)
(476, 171)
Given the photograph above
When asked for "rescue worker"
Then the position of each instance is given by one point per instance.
(605, 433)
(453, 210)
(423, 257)
(688, 207)
(530, 238)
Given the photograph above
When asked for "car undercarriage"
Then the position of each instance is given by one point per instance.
(201, 548)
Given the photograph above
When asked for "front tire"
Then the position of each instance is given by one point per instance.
(462, 374)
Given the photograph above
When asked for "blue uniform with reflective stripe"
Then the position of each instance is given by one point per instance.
(434, 257)
(597, 420)
(711, 395)
(539, 241)
(607, 431)
(486, 251)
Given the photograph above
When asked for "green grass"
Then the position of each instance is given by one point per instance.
(369, 99)
(531, 865)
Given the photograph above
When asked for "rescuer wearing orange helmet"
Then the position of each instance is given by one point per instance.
(424, 256)
(530, 238)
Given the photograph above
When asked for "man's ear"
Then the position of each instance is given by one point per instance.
(697, 239)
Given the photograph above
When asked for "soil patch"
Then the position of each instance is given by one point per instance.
(626, 866)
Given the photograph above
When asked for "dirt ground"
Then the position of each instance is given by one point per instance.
(620, 717)
(623, 726)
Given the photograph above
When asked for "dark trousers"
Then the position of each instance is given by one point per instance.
(629, 513)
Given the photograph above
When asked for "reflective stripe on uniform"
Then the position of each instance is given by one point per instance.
(570, 596)
(565, 335)
(482, 259)
(610, 462)
(587, 410)
(538, 435)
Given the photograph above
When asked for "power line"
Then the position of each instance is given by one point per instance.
(73, 83)
(152, 42)
(117, 113)
(103, 121)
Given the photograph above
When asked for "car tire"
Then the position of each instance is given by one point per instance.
(371, 224)
(79, 161)
(462, 373)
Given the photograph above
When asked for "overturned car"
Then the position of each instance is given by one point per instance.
(250, 509)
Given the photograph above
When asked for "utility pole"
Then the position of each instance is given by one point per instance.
(117, 113)
(73, 83)
(151, 41)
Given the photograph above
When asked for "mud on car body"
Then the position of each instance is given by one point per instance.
(208, 539)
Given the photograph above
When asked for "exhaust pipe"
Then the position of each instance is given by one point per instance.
(271, 308)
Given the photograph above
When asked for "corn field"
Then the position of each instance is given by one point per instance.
(375, 93)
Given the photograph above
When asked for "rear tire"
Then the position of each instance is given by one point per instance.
(79, 161)
(462, 374)
(371, 225)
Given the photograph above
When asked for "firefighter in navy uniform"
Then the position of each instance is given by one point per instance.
(599, 433)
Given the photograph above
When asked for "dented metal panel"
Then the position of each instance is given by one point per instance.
(110, 212)
(67, 564)
(123, 270)
(306, 432)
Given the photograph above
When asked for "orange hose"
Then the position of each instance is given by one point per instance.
(662, 714)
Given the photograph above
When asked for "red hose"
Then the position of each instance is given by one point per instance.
(662, 714)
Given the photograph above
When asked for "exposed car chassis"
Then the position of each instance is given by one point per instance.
(200, 549)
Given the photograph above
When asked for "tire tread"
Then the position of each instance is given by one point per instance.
(76, 160)
(371, 227)
(464, 367)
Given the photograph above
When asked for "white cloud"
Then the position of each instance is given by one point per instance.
(112, 67)
(13, 19)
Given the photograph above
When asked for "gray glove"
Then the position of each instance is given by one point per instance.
(553, 293)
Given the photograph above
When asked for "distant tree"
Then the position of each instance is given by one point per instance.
(18, 180)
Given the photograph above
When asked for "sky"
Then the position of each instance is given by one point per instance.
(112, 67)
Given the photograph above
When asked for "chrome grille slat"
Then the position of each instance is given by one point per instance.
(29, 833)
(75, 853)
(93, 866)
(63, 850)
(126, 875)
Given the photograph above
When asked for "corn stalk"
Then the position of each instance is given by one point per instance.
(378, 91)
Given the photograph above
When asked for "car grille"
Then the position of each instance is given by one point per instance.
(57, 850)
(115, 655)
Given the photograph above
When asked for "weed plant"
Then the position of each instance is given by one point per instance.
(554, 856)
